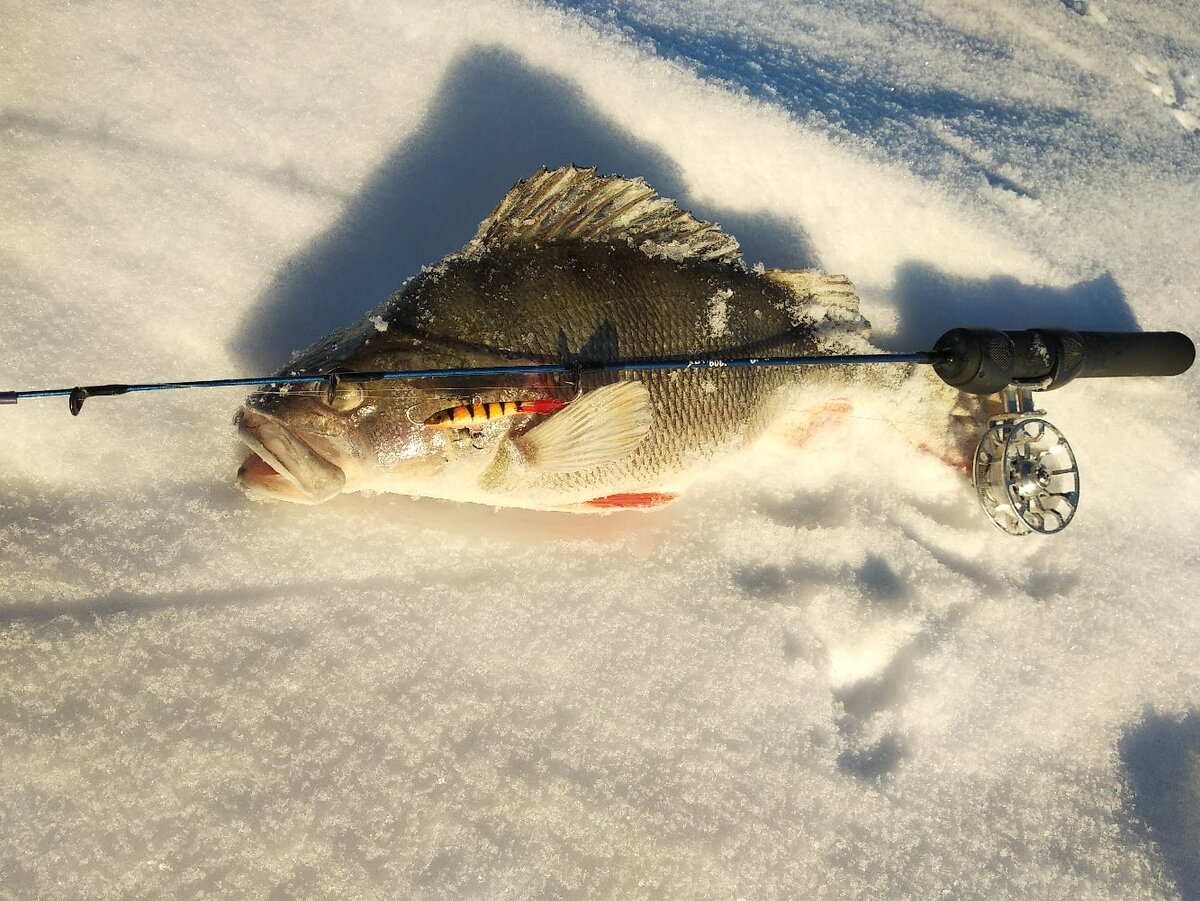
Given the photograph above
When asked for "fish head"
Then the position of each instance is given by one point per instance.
(311, 441)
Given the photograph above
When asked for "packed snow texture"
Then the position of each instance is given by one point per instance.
(820, 674)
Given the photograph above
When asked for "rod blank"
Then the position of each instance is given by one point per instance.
(77, 395)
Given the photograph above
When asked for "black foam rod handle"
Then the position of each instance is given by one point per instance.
(1134, 354)
(984, 361)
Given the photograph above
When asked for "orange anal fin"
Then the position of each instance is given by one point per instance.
(635, 501)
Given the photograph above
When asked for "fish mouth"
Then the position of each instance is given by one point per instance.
(282, 466)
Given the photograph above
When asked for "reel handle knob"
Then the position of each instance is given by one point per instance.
(984, 361)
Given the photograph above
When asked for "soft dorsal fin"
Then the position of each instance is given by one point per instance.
(831, 290)
(573, 204)
(827, 302)
(602, 426)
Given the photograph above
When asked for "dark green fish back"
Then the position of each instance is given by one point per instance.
(601, 302)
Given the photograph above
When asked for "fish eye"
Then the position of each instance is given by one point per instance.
(344, 396)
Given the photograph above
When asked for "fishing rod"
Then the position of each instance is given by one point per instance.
(1025, 473)
(77, 395)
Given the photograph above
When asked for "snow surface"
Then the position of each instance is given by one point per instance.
(821, 674)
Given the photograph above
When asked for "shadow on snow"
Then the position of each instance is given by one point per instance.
(496, 121)
(1161, 755)
(918, 123)
(929, 303)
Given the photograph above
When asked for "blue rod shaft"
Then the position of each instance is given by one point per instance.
(11, 397)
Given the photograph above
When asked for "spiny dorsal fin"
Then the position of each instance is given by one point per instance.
(827, 302)
(573, 204)
(602, 426)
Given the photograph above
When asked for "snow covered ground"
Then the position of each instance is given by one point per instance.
(821, 674)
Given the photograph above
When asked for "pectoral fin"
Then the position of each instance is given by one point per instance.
(602, 426)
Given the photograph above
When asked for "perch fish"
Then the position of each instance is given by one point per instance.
(570, 267)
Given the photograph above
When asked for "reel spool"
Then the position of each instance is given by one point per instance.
(1026, 476)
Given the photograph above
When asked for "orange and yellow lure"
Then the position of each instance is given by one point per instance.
(471, 416)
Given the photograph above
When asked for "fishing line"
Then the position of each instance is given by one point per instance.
(77, 395)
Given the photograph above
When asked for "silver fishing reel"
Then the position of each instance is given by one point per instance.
(1025, 473)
